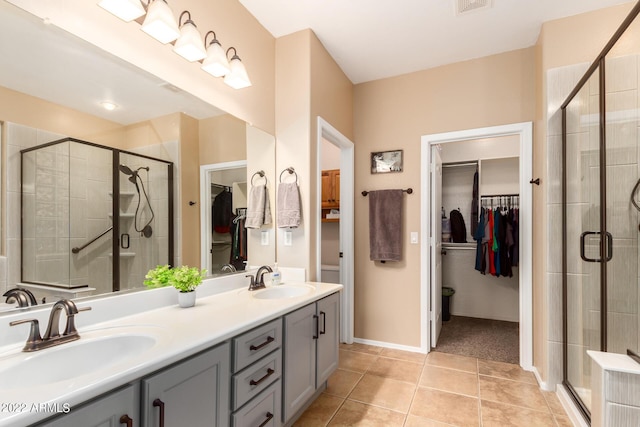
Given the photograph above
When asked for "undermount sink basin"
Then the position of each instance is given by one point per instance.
(71, 360)
(282, 291)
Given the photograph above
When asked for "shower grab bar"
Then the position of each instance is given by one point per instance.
(76, 249)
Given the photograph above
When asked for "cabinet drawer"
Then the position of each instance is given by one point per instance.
(251, 381)
(252, 345)
(263, 411)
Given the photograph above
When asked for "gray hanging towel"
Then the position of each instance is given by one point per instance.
(385, 225)
(258, 207)
(289, 207)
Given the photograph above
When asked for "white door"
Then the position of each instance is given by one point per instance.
(436, 245)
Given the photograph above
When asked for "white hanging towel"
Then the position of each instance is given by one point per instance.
(289, 208)
(258, 207)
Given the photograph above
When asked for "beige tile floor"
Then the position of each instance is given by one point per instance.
(382, 387)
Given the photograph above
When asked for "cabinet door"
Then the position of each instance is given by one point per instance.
(299, 358)
(336, 187)
(327, 188)
(113, 410)
(328, 337)
(192, 393)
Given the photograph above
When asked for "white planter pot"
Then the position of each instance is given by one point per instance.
(187, 299)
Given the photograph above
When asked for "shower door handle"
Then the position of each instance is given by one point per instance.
(609, 253)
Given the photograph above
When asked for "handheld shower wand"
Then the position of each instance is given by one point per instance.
(134, 176)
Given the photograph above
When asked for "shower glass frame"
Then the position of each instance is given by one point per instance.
(115, 213)
(597, 245)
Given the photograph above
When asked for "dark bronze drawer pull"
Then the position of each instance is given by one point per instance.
(267, 375)
(126, 419)
(265, 422)
(160, 403)
(269, 340)
(324, 323)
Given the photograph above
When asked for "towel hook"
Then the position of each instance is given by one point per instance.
(260, 173)
(291, 170)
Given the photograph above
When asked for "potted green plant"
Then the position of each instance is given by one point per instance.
(184, 278)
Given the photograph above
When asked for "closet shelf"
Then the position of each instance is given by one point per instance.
(124, 254)
(123, 215)
(451, 245)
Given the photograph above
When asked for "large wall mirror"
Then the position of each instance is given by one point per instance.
(53, 86)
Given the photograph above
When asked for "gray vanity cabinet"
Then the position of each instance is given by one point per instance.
(310, 351)
(191, 393)
(119, 408)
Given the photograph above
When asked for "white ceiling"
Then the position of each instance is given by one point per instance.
(374, 39)
(46, 62)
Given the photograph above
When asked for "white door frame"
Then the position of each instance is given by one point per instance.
(525, 132)
(205, 206)
(331, 134)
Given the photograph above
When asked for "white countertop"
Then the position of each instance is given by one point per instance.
(179, 333)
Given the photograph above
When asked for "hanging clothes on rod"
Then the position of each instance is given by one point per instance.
(497, 235)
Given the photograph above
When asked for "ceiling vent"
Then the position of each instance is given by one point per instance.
(467, 6)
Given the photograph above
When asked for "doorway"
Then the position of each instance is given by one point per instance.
(220, 251)
(431, 292)
(327, 134)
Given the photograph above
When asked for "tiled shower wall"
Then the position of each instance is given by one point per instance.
(623, 169)
(87, 195)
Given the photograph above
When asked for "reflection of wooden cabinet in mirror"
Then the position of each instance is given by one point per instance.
(330, 193)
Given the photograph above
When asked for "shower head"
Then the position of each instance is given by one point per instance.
(126, 170)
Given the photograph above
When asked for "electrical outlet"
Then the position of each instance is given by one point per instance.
(288, 238)
(414, 237)
(264, 238)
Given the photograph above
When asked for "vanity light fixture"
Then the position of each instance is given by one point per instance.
(160, 22)
(189, 45)
(237, 77)
(216, 62)
(127, 10)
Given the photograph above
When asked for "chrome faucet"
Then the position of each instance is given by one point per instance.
(52, 336)
(258, 281)
(22, 296)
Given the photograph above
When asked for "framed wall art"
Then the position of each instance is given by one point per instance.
(386, 161)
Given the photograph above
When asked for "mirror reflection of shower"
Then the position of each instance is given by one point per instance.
(134, 176)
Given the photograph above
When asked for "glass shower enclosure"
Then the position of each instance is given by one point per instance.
(94, 217)
(601, 210)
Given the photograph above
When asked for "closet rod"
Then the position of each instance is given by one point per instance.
(213, 184)
(458, 164)
(491, 196)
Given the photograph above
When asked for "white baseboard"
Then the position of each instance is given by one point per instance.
(388, 345)
(571, 409)
(543, 384)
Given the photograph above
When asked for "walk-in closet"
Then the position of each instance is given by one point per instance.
(479, 255)
(228, 211)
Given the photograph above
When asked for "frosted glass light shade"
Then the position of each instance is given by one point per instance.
(190, 45)
(237, 77)
(216, 62)
(127, 10)
(160, 22)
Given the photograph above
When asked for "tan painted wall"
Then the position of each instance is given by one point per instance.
(293, 123)
(16, 107)
(394, 113)
(309, 84)
(233, 24)
(331, 99)
(222, 139)
(189, 190)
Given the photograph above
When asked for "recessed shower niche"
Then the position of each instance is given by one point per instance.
(93, 217)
